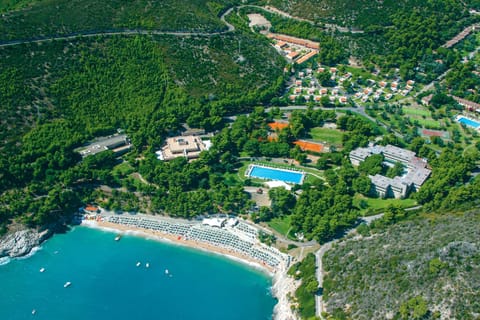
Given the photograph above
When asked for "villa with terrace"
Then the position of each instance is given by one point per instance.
(397, 187)
(182, 146)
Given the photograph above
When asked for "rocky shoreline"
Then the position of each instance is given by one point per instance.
(22, 242)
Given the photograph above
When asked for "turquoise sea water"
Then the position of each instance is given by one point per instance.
(107, 284)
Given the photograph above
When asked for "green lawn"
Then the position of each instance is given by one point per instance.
(331, 136)
(281, 225)
(358, 72)
(416, 111)
(123, 168)
(378, 204)
(430, 123)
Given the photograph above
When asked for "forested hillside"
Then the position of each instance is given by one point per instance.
(57, 95)
(33, 19)
(105, 83)
(427, 268)
(360, 14)
(392, 34)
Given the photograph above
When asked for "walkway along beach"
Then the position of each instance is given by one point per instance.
(229, 237)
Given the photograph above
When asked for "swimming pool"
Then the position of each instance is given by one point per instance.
(288, 176)
(469, 122)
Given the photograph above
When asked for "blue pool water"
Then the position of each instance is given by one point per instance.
(276, 174)
(469, 122)
(106, 284)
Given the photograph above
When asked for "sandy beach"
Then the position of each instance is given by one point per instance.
(282, 287)
(160, 236)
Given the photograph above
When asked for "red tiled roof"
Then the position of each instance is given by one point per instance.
(91, 208)
(278, 125)
(302, 42)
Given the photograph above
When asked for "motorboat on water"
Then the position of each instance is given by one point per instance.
(147, 265)
(118, 237)
(138, 264)
(42, 269)
(67, 284)
(166, 271)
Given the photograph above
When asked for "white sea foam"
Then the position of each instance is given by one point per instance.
(31, 253)
(4, 260)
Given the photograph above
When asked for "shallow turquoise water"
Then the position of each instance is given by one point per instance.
(469, 122)
(107, 284)
(276, 174)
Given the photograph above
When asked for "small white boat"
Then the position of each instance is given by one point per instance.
(42, 270)
(34, 311)
(118, 237)
(67, 284)
(166, 271)
(147, 265)
(138, 264)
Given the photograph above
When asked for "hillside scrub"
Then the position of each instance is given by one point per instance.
(418, 269)
(60, 17)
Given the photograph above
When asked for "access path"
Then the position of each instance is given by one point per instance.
(127, 32)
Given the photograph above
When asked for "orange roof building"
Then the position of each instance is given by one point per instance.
(292, 55)
(278, 125)
(91, 209)
(307, 56)
(294, 40)
(309, 146)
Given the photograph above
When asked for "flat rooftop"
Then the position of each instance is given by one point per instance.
(104, 143)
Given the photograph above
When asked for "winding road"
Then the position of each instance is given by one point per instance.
(128, 32)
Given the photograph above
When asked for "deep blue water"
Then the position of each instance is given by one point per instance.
(275, 174)
(469, 122)
(106, 284)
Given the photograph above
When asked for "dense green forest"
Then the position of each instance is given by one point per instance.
(56, 96)
(425, 268)
(49, 18)
(361, 14)
(394, 34)
(305, 271)
(99, 83)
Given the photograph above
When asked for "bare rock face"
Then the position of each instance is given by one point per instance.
(20, 243)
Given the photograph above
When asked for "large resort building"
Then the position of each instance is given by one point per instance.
(182, 146)
(398, 187)
(118, 143)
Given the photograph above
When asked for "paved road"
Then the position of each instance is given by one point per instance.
(108, 33)
(358, 109)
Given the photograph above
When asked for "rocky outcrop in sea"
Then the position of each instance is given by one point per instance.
(21, 242)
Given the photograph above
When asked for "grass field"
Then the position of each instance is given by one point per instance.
(281, 225)
(358, 72)
(378, 204)
(416, 112)
(123, 168)
(331, 136)
(430, 123)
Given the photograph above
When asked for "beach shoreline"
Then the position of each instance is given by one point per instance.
(176, 240)
(282, 285)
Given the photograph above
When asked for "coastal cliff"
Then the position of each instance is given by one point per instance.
(283, 288)
(21, 242)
